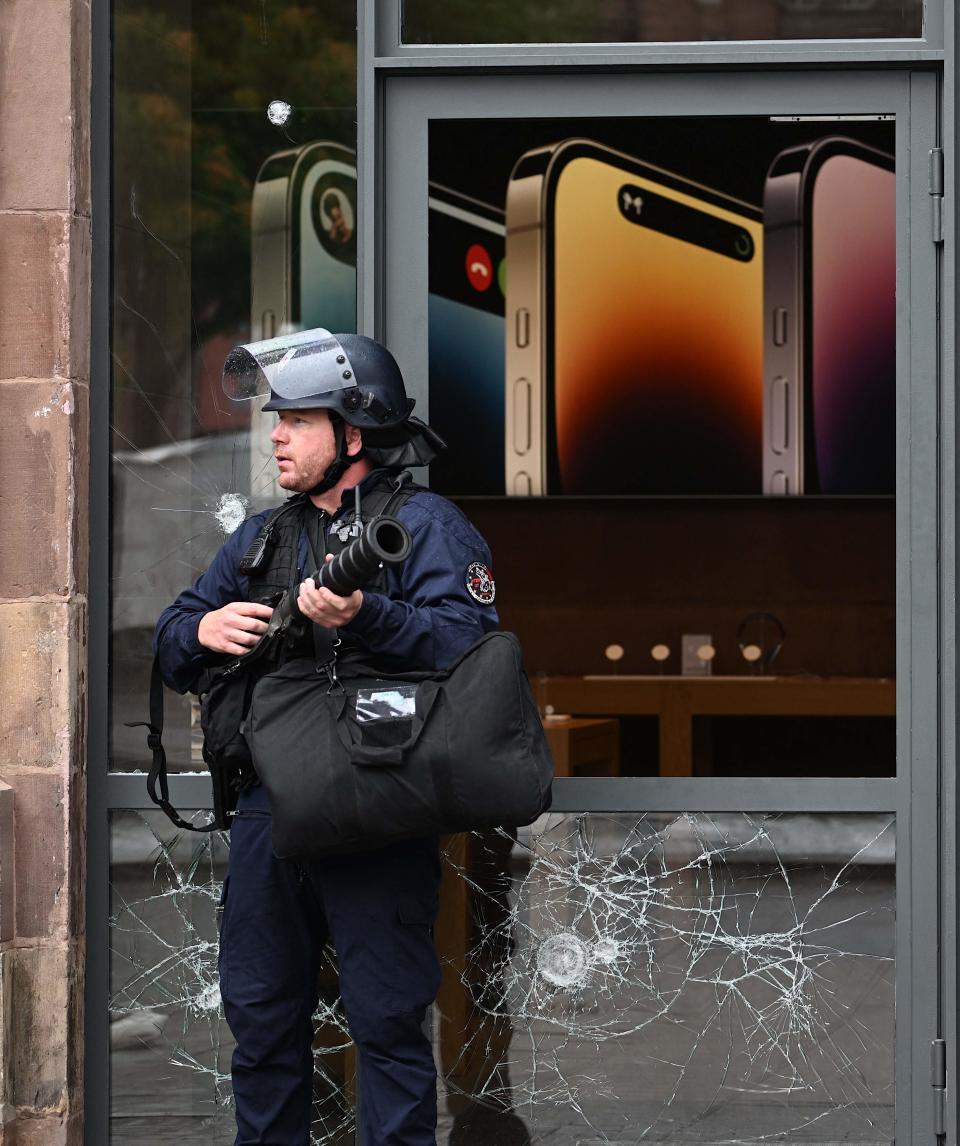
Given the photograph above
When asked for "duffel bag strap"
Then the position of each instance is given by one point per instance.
(158, 766)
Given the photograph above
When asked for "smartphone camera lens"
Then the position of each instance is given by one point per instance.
(743, 245)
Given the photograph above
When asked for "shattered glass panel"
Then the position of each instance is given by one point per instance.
(687, 978)
(170, 1045)
(234, 219)
(697, 978)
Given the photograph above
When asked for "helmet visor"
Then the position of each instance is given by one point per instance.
(292, 366)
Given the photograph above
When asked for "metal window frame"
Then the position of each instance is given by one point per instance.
(406, 104)
(602, 794)
(97, 971)
(393, 51)
(949, 617)
(931, 630)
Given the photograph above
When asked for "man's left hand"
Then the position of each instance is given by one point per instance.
(325, 608)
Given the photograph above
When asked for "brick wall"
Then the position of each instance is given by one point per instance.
(44, 388)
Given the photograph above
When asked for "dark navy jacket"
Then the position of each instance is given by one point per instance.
(425, 620)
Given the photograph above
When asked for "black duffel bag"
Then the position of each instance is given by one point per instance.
(361, 762)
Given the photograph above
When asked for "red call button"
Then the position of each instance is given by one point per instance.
(479, 267)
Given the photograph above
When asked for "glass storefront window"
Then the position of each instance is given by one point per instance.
(698, 978)
(656, 21)
(710, 977)
(664, 353)
(170, 1044)
(234, 218)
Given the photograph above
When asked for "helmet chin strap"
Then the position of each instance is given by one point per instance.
(341, 463)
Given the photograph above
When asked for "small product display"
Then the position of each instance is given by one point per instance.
(696, 654)
(751, 653)
(760, 637)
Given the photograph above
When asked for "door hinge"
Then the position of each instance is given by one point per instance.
(938, 1081)
(935, 186)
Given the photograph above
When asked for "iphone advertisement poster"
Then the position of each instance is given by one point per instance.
(633, 306)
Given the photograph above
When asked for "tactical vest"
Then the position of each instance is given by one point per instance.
(280, 538)
(279, 542)
(277, 548)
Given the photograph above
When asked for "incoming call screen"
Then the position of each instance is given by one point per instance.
(466, 332)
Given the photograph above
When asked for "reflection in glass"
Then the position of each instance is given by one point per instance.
(696, 978)
(650, 21)
(234, 208)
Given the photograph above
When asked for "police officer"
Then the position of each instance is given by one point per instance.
(343, 420)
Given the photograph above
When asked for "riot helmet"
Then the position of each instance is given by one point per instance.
(351, 376)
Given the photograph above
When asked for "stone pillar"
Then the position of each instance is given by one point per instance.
(44, 380)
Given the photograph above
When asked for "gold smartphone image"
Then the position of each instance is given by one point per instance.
(634, 348)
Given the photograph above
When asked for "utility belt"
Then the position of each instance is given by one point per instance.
(224, 696)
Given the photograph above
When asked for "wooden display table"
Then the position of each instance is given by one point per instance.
(676, 700)
(584, 747)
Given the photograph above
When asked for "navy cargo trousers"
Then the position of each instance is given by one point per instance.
(378, 909)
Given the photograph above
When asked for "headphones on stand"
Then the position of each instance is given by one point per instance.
(754, 639)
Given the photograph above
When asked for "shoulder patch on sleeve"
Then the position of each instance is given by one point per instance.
(480, 583)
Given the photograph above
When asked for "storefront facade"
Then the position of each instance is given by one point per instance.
(676, 282)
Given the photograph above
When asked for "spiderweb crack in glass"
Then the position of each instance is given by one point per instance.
(278, 112)
(165, 970)
(693, 978)
(177, 503)
(231, 511)
(698, 978)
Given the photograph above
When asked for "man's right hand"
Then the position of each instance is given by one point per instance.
(235, 628)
